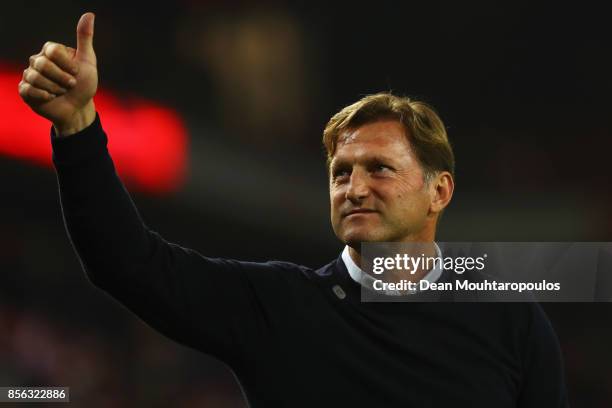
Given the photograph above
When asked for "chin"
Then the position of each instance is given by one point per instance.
(357, 236)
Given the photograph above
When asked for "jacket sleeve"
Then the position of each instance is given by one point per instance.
(543, 374)
(214, 305)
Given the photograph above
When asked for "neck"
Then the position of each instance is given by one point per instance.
(428, 249)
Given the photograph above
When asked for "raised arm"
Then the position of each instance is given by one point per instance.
(215, 305)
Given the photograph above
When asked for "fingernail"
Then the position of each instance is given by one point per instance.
(72, 82)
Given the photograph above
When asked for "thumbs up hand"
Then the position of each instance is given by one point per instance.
(60, 82)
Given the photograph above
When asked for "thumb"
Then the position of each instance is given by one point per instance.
(85, 32)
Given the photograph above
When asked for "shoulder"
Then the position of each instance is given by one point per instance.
(532, 330)
(539, 326)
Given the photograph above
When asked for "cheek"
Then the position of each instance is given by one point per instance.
(336, 198)
(406, 199)
(411, 183)
(337, 192)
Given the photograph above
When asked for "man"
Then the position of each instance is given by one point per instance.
(295, 336)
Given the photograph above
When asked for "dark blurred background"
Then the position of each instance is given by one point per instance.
(523, 89)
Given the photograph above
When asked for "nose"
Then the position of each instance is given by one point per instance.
(358, 188)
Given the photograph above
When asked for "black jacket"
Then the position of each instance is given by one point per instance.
(283, 328)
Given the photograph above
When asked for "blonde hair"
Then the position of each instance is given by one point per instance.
(424, 129)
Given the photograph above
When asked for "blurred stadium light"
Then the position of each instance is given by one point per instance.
(148, 141)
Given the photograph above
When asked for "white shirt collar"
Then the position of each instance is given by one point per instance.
(367, 280)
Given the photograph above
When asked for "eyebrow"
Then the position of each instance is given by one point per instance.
(336, 163)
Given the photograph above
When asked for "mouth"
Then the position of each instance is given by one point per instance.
(359, 211)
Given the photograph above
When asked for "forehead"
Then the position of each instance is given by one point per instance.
(386, 138)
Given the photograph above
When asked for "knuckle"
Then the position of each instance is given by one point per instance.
(32, 76)
(41, 63)
(26, 89)
(52, 50)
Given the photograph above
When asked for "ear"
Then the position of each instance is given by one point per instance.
(441, 189)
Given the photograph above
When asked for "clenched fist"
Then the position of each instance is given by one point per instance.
(60, 82)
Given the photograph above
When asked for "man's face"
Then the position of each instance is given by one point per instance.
(377, 190)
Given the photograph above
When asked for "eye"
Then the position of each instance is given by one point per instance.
(381, 168)
(340, 172)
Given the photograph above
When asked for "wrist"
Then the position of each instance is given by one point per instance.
(79, 121)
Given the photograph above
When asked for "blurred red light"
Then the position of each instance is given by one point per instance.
(148, 141)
